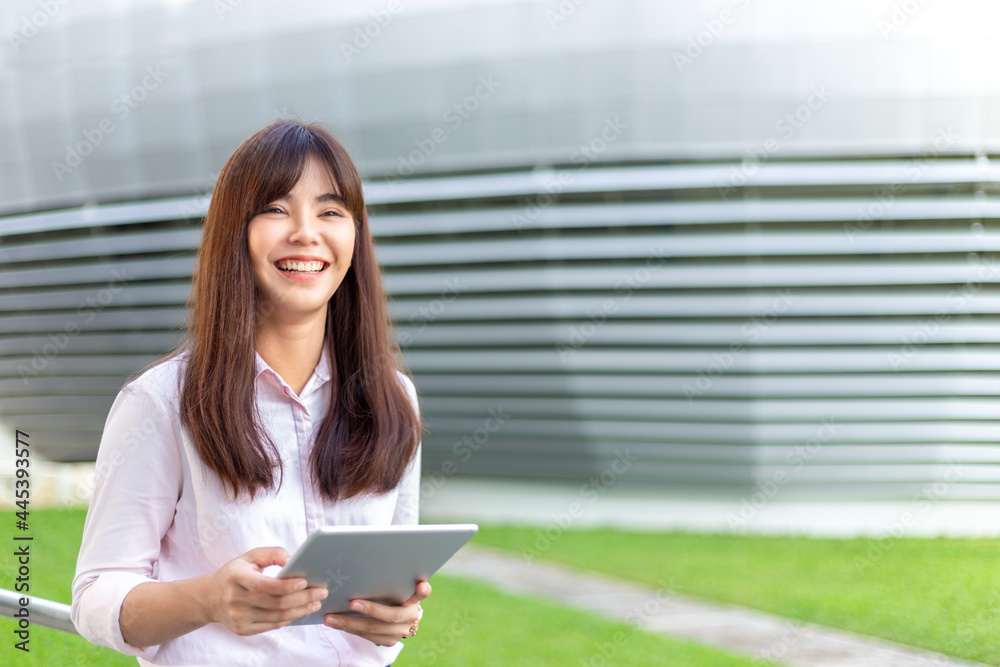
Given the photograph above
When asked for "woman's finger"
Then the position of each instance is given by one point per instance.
(280, 617)
(265, 556)
(364, 626)
(244, 572)
(422, 592)
(392, 613)
(261, 585)
(289, 601)
(406, 613)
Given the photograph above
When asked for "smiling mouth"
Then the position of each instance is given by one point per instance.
(293, 266)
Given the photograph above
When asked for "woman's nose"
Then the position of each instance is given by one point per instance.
(303, 228)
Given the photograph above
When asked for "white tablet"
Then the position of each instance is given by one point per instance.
(378, 563)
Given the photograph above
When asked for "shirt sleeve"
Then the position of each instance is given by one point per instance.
(137, 481)
(408, 497)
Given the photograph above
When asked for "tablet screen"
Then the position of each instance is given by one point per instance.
(378, 563)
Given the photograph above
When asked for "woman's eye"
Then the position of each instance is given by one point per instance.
(272, 209)
(335, 213)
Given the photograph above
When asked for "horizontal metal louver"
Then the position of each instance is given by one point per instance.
(827, 323)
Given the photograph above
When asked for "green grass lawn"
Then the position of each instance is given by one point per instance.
(939, 594)
(54, 548)
(467, 623)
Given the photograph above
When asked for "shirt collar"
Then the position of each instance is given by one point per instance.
(324, 368)
(321, 373)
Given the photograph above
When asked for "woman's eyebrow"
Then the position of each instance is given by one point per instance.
(330, 196)
(320, 199)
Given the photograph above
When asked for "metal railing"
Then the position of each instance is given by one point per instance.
(41, 612)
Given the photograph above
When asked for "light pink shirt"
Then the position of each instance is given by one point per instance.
(158, 514)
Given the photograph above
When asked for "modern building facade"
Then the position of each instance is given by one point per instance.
(710, 246)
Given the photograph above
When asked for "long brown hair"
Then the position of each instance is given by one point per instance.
(371, 431)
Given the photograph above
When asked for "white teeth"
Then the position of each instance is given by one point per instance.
(305, 267)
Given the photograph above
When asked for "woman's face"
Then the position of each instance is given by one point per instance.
(301, 246)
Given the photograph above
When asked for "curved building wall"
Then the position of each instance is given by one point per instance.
(635, 323)
(769, 264)
(175, 85)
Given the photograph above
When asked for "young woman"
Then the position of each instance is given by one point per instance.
(283, 412)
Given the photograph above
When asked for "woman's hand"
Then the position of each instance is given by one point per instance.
(382, 624)
(249, 602)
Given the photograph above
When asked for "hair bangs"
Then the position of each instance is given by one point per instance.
(285, 149)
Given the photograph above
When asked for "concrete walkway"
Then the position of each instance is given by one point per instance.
(734, 629)
(535, 503)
